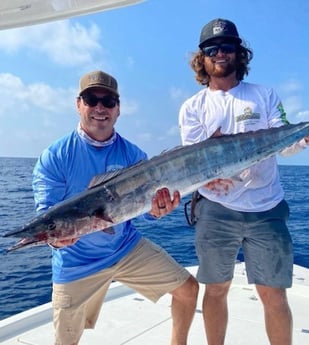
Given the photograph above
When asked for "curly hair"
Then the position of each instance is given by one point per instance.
(243, 57)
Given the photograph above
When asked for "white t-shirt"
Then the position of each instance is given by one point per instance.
(246, 107)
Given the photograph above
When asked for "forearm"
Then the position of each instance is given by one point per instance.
(295, 148)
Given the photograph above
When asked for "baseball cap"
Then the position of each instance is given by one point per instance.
(98, 79)
(219, 28)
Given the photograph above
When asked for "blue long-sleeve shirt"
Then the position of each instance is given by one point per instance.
(64, 169)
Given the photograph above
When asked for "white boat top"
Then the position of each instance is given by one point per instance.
(16, 13)
(128, 318)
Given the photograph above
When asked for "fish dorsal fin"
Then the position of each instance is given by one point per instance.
(170, 150)
(103, 178)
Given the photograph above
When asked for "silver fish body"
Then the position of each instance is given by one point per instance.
(122, 195)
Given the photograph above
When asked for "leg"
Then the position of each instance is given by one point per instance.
(278, 316)
(183, 309)
(215, 312)
(151, 271)
(217, 241)
(76, 306)
(268, 252)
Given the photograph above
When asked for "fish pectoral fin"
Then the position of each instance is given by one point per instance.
(100, 215)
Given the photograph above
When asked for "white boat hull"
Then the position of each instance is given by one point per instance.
(128, 318)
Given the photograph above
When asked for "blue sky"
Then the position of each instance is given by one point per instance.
(147, 47)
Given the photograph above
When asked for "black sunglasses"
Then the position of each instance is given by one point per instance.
(107, 101)
(226, 48)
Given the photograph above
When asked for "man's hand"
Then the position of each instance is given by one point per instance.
(219, 186)
(217, 133)
(162, 203)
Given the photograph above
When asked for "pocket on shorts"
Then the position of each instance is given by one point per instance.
(61, 301)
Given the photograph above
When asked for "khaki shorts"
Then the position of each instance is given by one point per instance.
(148, 269)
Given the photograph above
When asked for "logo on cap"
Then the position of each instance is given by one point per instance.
(98, 78)
(219, 27)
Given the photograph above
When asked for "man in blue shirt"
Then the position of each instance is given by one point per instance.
(83, 268)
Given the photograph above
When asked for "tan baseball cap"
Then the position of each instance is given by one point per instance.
(98, 79)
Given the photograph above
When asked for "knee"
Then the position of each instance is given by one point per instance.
(217, 290)
(188, 291)
(193, 287)
(273, 297)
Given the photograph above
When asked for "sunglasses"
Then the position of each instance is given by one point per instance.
(226, 48)
(107, 101)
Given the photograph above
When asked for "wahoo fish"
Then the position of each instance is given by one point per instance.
(115, 197)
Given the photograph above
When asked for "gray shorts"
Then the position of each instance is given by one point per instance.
(263, 236)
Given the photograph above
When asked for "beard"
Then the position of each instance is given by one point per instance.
(220, 71)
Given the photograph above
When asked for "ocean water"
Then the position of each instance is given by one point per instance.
(25, 275)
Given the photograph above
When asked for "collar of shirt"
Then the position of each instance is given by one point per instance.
(84, 136)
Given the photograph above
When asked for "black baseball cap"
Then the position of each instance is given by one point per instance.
(219, 28)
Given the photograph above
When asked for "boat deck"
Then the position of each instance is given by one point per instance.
(128, 318)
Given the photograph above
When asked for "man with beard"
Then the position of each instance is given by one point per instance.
(247, 210)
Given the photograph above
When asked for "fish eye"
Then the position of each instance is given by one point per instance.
(51, 226)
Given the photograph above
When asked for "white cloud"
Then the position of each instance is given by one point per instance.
(291, 86)
(303, 115)
(15, 95)
(130, 61)
(292, 104)
(173, 131)
(148, 137)
(33, 115)
(66, 43)
(128, 107)
(178, 94)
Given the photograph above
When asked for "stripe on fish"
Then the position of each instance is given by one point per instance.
(114, 198)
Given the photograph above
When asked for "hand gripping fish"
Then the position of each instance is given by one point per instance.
(125, 194)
